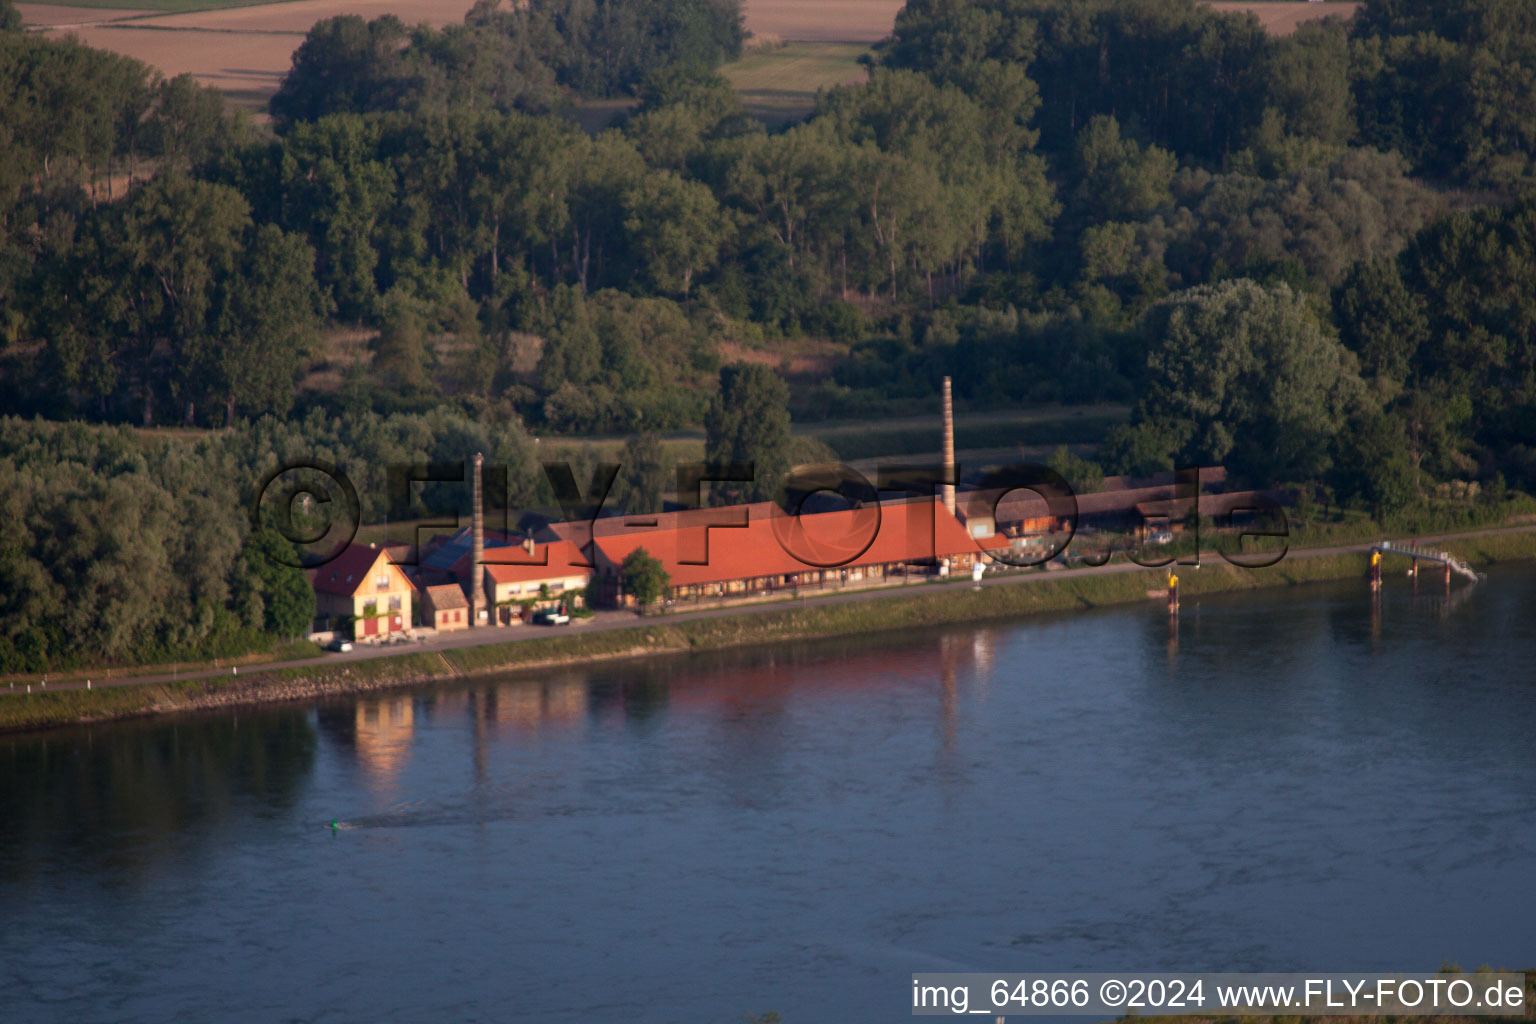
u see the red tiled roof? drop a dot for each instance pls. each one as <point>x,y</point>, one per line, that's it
<point>581,531</point>
<point>548,561</point>
<point>348,571</point>
<point>907,532</point>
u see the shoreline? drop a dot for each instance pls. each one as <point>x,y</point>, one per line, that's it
<point>1005,599</point>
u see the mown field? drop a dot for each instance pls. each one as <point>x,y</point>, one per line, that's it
<point>780,84</point>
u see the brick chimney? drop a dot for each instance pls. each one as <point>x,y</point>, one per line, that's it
<point>477,549</point>
<point>949,449</point>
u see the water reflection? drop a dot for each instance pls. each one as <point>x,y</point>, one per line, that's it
<point>382,735</point>
<point>113,798</point>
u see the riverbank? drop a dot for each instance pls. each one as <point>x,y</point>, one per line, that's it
<point>1002,599</point>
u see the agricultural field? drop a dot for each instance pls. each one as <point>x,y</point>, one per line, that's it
<point>40,15</point>
<point>1281,18</point>
<point>244,48</point>
<point>823,21</point>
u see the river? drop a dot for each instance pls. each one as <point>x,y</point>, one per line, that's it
<point>1282,780</point>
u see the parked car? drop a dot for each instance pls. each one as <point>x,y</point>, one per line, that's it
<point>339,645</point>
<point>547,617</point>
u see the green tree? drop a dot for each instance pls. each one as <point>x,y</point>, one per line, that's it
<point>1373,469</point>
<point>1242,375</point>
<point>646,474</point>
<point>1309,83</point>
<point>749,422</point>
<point>270,321</point>
<point>1450,86</point>
<point>682,106</point>
<point>1382,322</point>
<point>402,352</point>
<point>331,184</point>
<point>189,124</point>
<point>344,65</point>
<point>154,275</point>
<point>676,227</point>
<point>644,577</point>
<point>1084,476</point>
<point>287,599</point>
<point>1120,180</point>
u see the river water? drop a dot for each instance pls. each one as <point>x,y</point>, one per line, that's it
<point>1283,780</point>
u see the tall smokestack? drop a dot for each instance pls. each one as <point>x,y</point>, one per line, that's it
<point>949,449</point>
<point>477,549</point>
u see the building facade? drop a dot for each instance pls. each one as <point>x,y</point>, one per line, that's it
<point>767,551</point>
<point>444,607</point>
<point>363,593</point>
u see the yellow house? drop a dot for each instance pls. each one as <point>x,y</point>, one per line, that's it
<point>364,585</point>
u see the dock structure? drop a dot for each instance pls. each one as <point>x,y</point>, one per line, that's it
<point>1418,554</point>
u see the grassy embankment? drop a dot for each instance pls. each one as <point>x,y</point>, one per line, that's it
<point>284,650</point>
<point>660,636</point>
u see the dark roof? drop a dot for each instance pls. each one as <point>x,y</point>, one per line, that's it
<point>1212,504</point>
<point>457,547</point>
<point>1114,498</point>
<point>448,595</point>
<point>348,571</point>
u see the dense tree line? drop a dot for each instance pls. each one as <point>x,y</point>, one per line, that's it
<point>121,547</point>
<point>441,201</point>
<point>503,57</point>
<point>117,550</point>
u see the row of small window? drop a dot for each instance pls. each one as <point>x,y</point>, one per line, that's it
<point>533,588</point>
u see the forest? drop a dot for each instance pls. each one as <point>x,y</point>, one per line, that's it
<point>1311,258</point>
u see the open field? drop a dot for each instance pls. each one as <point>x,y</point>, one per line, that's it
<point>57,14</point>
<point>246,67</point>
<point>301,15</point>
<point>106,10</point>
<point>780,84</point>
<point>1281,18</point>
<point>823,21</point>
<point>244,48</point>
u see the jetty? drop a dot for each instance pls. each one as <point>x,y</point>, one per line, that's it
<point>1418,554</point>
